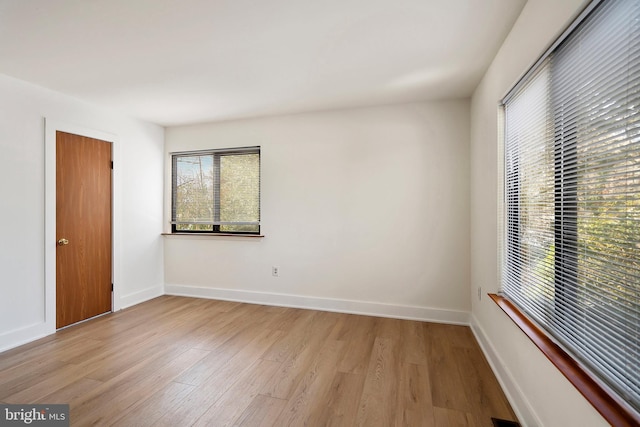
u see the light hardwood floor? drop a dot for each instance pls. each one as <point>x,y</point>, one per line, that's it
<point>177,361</point>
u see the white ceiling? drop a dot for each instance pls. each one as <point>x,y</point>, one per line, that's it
<point>175,62</point>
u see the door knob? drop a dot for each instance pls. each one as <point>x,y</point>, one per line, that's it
<point>63,242</point>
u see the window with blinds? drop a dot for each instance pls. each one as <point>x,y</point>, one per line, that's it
<point>572,194</point>
<point>216,191</point>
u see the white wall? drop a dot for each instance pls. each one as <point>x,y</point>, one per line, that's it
<point>539,393</point>
<point>363,210</point>
<point>137,200</point>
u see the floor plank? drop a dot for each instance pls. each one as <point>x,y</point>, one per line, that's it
<point>310,394</point>
<point>147,412</point>
<point>237,399</point>
<point>414,406</point>
<point>115,396</point>
<point>340,406</point>
<point>262,412</point>
<point>379,396</point>
<point>239,368</point>
<point>197,362</point>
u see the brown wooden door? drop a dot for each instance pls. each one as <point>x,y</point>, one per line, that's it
<point>83,228</point>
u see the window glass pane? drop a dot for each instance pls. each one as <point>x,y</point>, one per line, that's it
<point>240,192</point>
<point>194,192</point>
<point>572,193</point>
<point>596,73</point>
<point>530,194</point>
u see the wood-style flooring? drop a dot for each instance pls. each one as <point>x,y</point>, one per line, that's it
<point>176,361</point>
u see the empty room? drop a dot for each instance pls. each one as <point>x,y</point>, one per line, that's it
<point>320,213</point>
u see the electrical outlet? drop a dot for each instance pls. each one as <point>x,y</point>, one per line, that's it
<point>275,271</point>
<point>480,293</point>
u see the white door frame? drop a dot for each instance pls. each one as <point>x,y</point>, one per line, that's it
<point>50,243</point>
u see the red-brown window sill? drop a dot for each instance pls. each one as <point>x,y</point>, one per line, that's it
<point>611,407</point>
<point>213,235</point>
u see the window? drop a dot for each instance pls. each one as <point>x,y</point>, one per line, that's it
<point>572,195</point>
<point>216,191</point>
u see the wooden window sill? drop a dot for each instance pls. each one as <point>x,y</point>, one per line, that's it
<point>213,235</point>
<point>610,406</point>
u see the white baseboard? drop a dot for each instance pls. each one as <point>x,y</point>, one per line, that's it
<point>141,296</point>
<point>519,402</point>
<point>18,337</point>
<point>324,304</point>
<point>15,338</point>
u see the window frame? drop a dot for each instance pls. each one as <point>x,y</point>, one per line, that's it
<point>217,154</point>
<point>604,399</point>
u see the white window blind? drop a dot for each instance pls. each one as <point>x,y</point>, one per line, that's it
<point>216,191</point>
<point>572,195</point>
